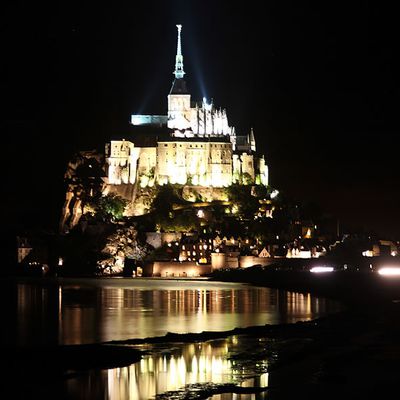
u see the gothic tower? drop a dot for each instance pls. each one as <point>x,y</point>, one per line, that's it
<point>252,141</point>
<point>179,99</point>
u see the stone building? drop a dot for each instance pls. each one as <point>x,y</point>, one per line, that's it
<point>194,146</point>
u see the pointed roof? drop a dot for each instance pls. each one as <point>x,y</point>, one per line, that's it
<point>252,140</point>
<point>178,87</point>
<point>179,84</point>
<point>264,253</point>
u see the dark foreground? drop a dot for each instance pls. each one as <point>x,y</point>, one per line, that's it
<point>354,354</point>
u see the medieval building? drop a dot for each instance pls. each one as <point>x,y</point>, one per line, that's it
<point>194,146</point>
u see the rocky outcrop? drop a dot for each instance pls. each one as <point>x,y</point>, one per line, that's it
<point>84,178</point>
<point>121,245</point>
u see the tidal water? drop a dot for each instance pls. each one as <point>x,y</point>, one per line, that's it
<point>79,311</point>
<point>179,372</point>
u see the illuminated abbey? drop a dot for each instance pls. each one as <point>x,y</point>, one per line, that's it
<point>197,146</point>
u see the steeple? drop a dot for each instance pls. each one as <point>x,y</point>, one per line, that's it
<point>252,140</point>
<point>179,72</point>
<point>179,84</point>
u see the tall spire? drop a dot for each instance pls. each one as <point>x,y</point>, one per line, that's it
<point>252,140</point>
<point>179,58</point>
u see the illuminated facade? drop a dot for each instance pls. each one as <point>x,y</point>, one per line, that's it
<point>197,146</point>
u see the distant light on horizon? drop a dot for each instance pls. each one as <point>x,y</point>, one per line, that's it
<point>368,253</point>
<point>389,271</point>
<point>319,270</point>
<point>274,194</point>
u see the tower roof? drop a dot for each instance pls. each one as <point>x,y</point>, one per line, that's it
<point>178,87</point>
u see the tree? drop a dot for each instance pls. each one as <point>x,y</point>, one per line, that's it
<point>110,207</point>
<point>165,197</point>
<point>120,246</point>
<point>240,196</point>
<point>163,209</point>
<point>182,222</point>
<point>261,191</point>
<point>247,179</point>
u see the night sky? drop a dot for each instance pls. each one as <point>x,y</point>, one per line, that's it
<point>318,82</point>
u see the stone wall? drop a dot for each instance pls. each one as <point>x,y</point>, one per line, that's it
<point>249,261</point>
<point>169,269</point>
<point>226,260</point>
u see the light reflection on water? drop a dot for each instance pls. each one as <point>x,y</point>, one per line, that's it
<point>72,311</point>
<point>75,311</point>
<point>170,370</point>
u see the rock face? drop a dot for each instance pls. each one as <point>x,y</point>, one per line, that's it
<point>204,193</point>
<point>121,245</point>
<point>141,198</point>
<point>84,178</point>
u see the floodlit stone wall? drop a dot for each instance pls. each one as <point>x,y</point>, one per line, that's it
<point>171,269</point>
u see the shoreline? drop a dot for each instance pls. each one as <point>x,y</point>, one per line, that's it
<point>325,357</point>
<point>357,354</point>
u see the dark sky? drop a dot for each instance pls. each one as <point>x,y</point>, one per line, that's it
<point>318,82</point>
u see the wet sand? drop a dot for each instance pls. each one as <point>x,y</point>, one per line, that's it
<point>353,354</point>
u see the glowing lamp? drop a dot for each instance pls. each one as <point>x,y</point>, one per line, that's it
<point>200,214</point>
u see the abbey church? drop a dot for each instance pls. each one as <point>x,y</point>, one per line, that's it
<point>195,145</point>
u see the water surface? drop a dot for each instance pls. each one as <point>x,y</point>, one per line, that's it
<point>180,370</point>
<point>76,311</point>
